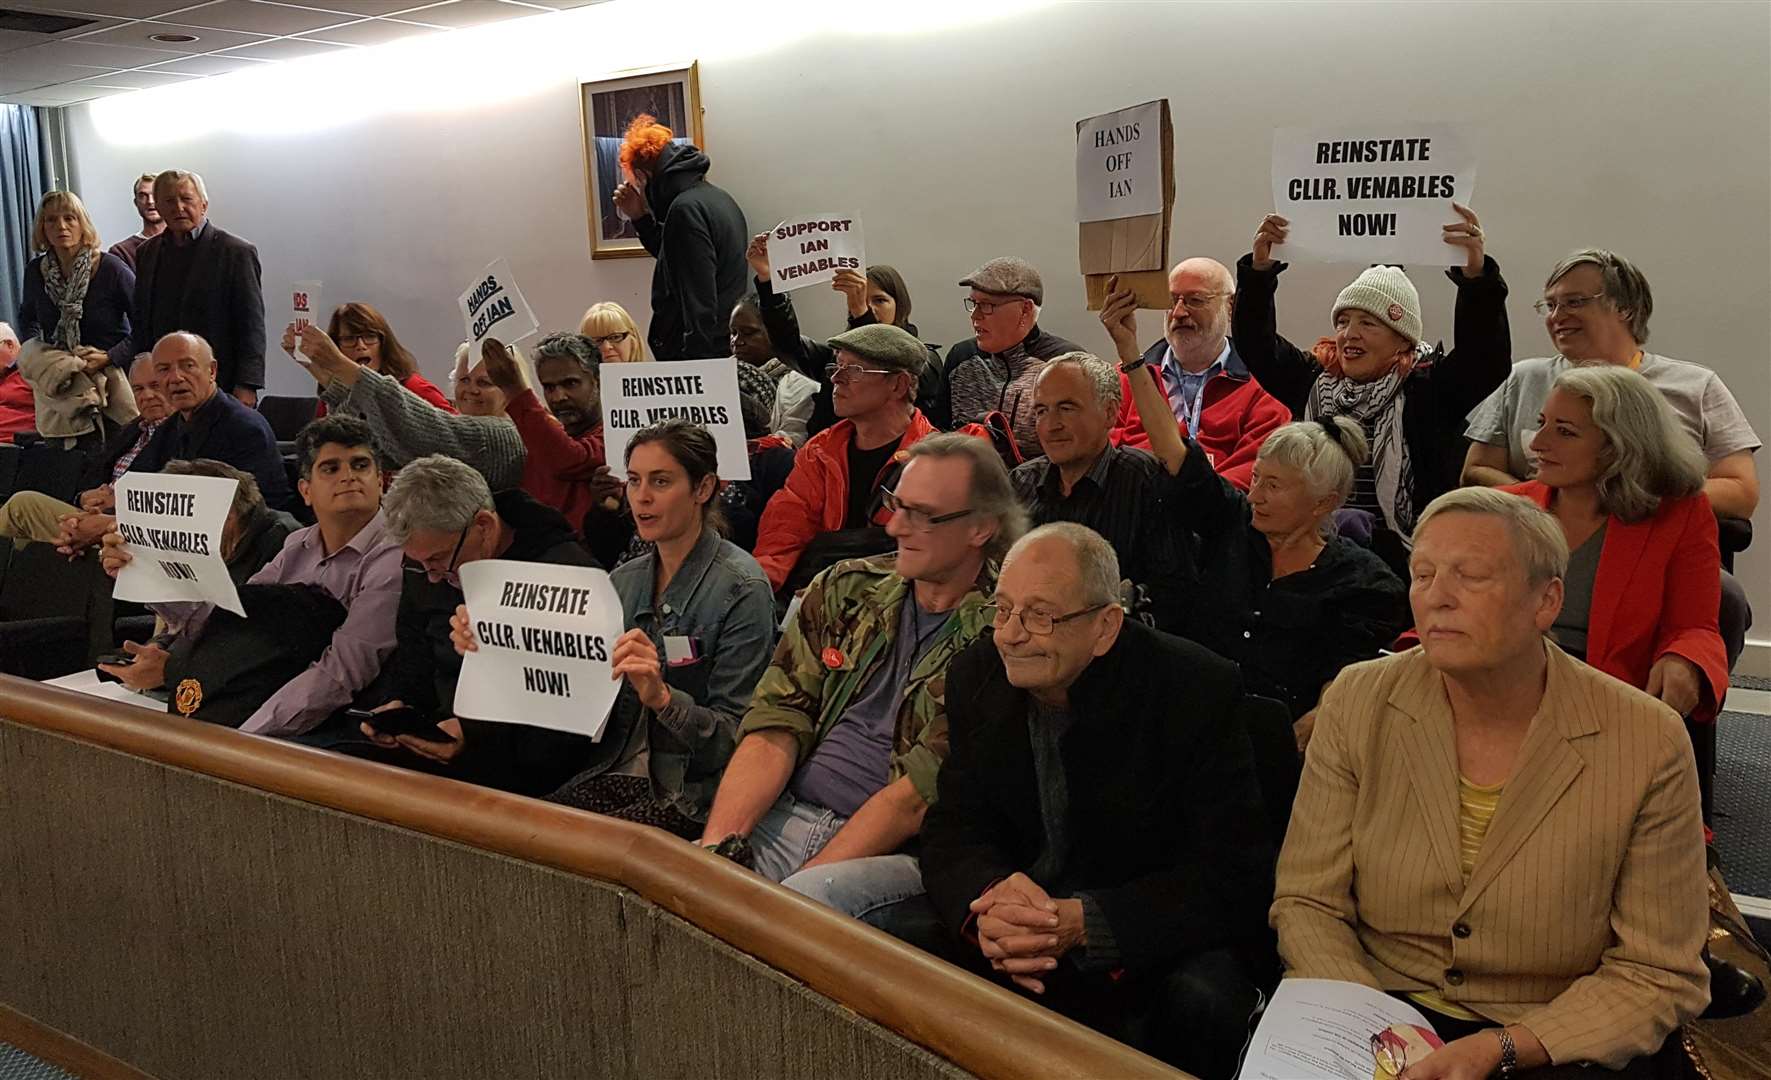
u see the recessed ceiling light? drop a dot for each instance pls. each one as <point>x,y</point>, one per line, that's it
<point>173,39</point>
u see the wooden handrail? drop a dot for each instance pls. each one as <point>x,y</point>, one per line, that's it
<point>982,1028</point>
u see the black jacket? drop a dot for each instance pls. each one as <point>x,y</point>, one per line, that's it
<point>224,430</point>
<point>1440,391</point>
<point>223,303</point>
<point>104,320</point>
<point>1166,826</point>
<point>811,356</point>
<point>696,232</point>
<point>1290,635</point>
<point>511,757</point>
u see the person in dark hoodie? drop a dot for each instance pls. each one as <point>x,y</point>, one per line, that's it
<point>695,231</point>
<point>444,515</point>
<point>879,297</point>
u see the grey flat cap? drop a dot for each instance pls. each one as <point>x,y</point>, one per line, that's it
<point>1007,276</point>
<point>888,346</point>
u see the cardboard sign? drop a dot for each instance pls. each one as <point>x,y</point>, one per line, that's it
<point>808,251</point>
<point>704,392</point>
<point>173,527</point>
<point>303,302</point>
<point>493,306</point>
<point>1119,164</point>
<point>1381,193</point>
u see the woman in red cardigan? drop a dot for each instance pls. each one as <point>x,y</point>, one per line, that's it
<point>1626,484</point>
<point>363,334</point>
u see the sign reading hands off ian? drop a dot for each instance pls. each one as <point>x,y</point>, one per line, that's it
<point>546,637</point>
<point>1119,164</point>
<point>1380,193</point>
<point>173,527</point>
<point>493,306</point>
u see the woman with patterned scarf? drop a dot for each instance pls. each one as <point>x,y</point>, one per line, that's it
<point>1409,398</point>
<point>76,296</point>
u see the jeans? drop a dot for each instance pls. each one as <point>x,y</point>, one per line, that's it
<point>790,834</point>
<point>864,888</point>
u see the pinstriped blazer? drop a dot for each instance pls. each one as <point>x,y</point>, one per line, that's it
<point>1587,907</point>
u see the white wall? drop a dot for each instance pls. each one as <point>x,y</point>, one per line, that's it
<point>1633,126</point>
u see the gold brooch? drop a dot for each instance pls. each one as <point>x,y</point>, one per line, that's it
<point>189,697</point>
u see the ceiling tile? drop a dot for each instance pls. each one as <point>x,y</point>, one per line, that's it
<point>284,49</point>
<point>113,57</point>
<point>564,5</point>
<point>140,35</point>
<point>368,7</point>
<point>139,80</point>
<point>43,63</point>
<point>259,18</point>
<point>120,9</point>
<point>208,65</point>
<point>16,39</point>
<point>459,14</point>
<point>370,32</point>
<point>74,93</point>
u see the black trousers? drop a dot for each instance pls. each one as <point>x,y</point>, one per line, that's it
<point>1667,1063</point>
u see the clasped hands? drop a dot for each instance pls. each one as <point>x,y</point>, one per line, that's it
<point>1023,932</point>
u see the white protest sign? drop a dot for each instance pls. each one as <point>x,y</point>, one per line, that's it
<point>173,525</point>
<point>704,392</point>
<point>1119,164</point>
<point>546,634</point>
<point>493,306</point>
<point>1380,193</point>
<point>809,250</point>
<point>304,300</point>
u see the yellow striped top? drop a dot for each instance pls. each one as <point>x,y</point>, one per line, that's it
<point>1475,809</point>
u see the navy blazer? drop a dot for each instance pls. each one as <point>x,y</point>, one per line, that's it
<point>226,431</point>
<point>223,303</point>
<point>105,321</point>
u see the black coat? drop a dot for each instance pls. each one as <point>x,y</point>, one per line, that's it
<point>227,431</point>
<point>223,303</point>
<point>696,232</point>
<point>1166,826</point>
<point>104,320</point>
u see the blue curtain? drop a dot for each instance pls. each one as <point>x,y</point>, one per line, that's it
<point>24,176</point>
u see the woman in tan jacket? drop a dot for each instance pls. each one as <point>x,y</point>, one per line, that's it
<point>1497,832</point>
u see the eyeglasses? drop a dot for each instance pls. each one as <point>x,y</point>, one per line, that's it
<point>916,517</point>
<point>1549,306</point>
<point>1037,623</point>
<point>989,307</point>
<point>847,373</point>
<point>1195,301</point>
<point>611,339</point>
<point>349,341</point>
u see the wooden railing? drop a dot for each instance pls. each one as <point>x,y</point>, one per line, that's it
<point>980,1027</point>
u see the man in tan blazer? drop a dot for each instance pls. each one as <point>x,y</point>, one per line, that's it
<point>1495,830</point>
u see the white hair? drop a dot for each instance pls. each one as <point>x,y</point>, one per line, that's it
<point>7,333</point>
<point>434,494</point>
<point>1102,376</point>
<point>1097,564</point>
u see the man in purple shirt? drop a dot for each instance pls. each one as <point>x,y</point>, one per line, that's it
<point>347,553</point>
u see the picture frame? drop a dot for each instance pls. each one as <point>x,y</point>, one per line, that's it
<point>605,107</point>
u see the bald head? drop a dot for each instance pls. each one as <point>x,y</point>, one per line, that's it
<point>1199,293</point>
<point>184,364</point>
<point>8,345</point>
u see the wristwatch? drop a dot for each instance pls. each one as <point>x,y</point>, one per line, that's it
<point>1509,1054</point>
<point>1127,369</point>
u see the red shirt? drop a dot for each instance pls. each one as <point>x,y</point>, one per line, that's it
<point>18,409</point>
<point>559,466</point>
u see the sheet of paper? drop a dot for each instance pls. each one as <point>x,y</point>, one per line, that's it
<point>704,392</point>
<point>493,306</point>
<point>810,250</point>
<point>304,303</point>
<point>1322,1029</point>
<point>1119,164</point>
<point>1378,193</point>
<point>173,527</point>
<point>88,682</point>
<point>546,636</point>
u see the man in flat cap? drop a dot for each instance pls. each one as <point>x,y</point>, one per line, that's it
<point>837,476</point>
<point>997,369</point>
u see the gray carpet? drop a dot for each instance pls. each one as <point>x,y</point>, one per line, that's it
<point>15,1064</point>
<point>1743,802</point>
<point>1749,682</point>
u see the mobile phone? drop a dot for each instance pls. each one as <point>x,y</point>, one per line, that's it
<point>115,660</point>
<point>404,720</point>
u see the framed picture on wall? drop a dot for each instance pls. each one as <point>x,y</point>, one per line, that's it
<point>606,107</point>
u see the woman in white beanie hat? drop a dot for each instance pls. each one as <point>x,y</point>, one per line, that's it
<point>1409,399</point>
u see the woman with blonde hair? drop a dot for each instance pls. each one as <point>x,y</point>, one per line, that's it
<point>76,296</point>
<point>612,330</point>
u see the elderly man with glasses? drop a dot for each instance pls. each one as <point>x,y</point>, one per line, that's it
<point>1218,404</point>
<point>838,752</point>
<point>1095,841</point>
<point>839,474</point>
<point>996,370</point>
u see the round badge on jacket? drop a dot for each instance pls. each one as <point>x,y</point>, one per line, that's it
<point>832,657</point>
<point>1396,313</point>
<point>189,697</point>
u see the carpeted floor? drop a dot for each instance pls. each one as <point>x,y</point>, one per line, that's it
<point>1743,802</point>
<point>15,1064</point>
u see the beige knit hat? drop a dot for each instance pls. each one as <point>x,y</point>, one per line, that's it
<point>1386,293</point>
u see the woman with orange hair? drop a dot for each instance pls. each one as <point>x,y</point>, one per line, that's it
<point>695,231</point>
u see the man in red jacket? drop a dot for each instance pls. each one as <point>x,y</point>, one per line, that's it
<point>837,475</point>
<point>1206,383</point>
<point>564,466</point>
